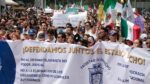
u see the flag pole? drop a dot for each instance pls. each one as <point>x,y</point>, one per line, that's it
<point>81,2</point>
<point>55,4</point>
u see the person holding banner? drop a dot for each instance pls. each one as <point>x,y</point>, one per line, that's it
<point>61,37</point>
<point>32,34</point>
<point>70,39</point>
<point>138,43</point>
<point>113,36</point>
<point>51,36</point>
<point>91,41</point>
<point>148,43</point>
<point>41,37</point>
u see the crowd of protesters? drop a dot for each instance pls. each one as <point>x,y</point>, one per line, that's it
<point>28,25</point>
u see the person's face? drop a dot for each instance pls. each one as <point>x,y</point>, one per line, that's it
<point>113,38</point>
<point>129,43</point>
<point>17,31</point>
<point>50,36</point>
<point>87,25</point>
<point>102,33</point>
<point>68,31</point>
<point>70,39</point>
<point>44,27</point>
<point>136,43</point>
<point>32,22</point>
<point>25,37</point>
<point>85,37</point>
<point>60,38</point>
<point>42,39</point>
<point>148,43</point>
<point>90,41</point>
<point>31,37</point>
<point>15,37</point>
<point>94,29</point>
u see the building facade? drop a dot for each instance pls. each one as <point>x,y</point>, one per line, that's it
<point>142,4</point>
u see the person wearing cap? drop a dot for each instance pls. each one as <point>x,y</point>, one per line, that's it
<point>32,34</point>
<point>41,37</point>
<point>61,38</point>
<point>143,37</point>
<point>113,36</point>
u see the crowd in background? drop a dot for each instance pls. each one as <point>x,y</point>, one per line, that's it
<point>28,25</point>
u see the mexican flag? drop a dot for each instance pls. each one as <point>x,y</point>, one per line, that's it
<point>129,30</point>
<point>109,9</point>
<point>128,11</point>
<point>109,4</point>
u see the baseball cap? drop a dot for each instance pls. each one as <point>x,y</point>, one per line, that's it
<point>32,32</point>
<point>143,36</point>
<point>112,33</point>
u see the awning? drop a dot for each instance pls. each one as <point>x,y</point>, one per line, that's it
<point>11,2</point>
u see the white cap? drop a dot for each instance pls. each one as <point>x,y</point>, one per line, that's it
<point>143,36</point>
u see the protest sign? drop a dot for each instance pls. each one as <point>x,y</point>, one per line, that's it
<point>60,20</point>
<point>73,10</point>
<point>75,19</point>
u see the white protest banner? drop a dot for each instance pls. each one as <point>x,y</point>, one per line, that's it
<point>32,62</point>
<point>48,10</point>
<point>56,12</point>
<point>60,20</point>
<point>76,18</point>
